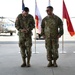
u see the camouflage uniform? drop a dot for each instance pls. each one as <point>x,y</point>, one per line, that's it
<point>25,41</point>
<point>52,27</point>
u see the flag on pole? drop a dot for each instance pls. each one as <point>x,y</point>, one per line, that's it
<point>38,19</point>
<point>23,6</point>
<point>68,21</point>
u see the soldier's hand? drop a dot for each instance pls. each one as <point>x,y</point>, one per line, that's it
<point>59,36</point>
<point>23,30</point>
<point>44,36</point>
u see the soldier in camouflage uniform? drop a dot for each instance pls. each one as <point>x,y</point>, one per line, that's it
<point>52,29</point>
<point>24,24</point>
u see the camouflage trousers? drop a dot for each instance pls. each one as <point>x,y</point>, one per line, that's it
<point>52,48</point>
<point>25,44</point>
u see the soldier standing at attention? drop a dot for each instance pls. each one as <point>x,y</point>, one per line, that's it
<point>25,24</point>
<point>52,29</point>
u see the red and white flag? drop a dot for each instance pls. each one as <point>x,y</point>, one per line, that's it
<point>68,21</point>
<point>38,19</point>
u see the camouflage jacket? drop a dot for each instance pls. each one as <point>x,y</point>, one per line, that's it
<point>25,22</point>
<point>52,26</point>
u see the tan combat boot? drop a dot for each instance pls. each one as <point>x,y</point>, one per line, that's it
<point>28,62</point>
<point>55,64</point>
<point>50,64</point>
<point>24,62</point>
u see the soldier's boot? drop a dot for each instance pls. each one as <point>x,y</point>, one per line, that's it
<point>55,64</point>
<point>28,62</point>
<point>50,64</point>
<point>24,62</point>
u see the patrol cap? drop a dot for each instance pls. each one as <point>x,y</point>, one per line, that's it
<point>26,9</point>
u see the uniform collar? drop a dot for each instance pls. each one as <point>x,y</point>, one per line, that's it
<point>51,15</point>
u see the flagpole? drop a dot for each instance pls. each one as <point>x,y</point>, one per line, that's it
<point>35,35</point>
<point>35,41</point>
<point>63,51</point>
<point>63,34</point>
<point>35,52</point>
<point>49,3</point>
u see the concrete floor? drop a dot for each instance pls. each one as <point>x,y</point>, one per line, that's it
<point>10,60</point>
